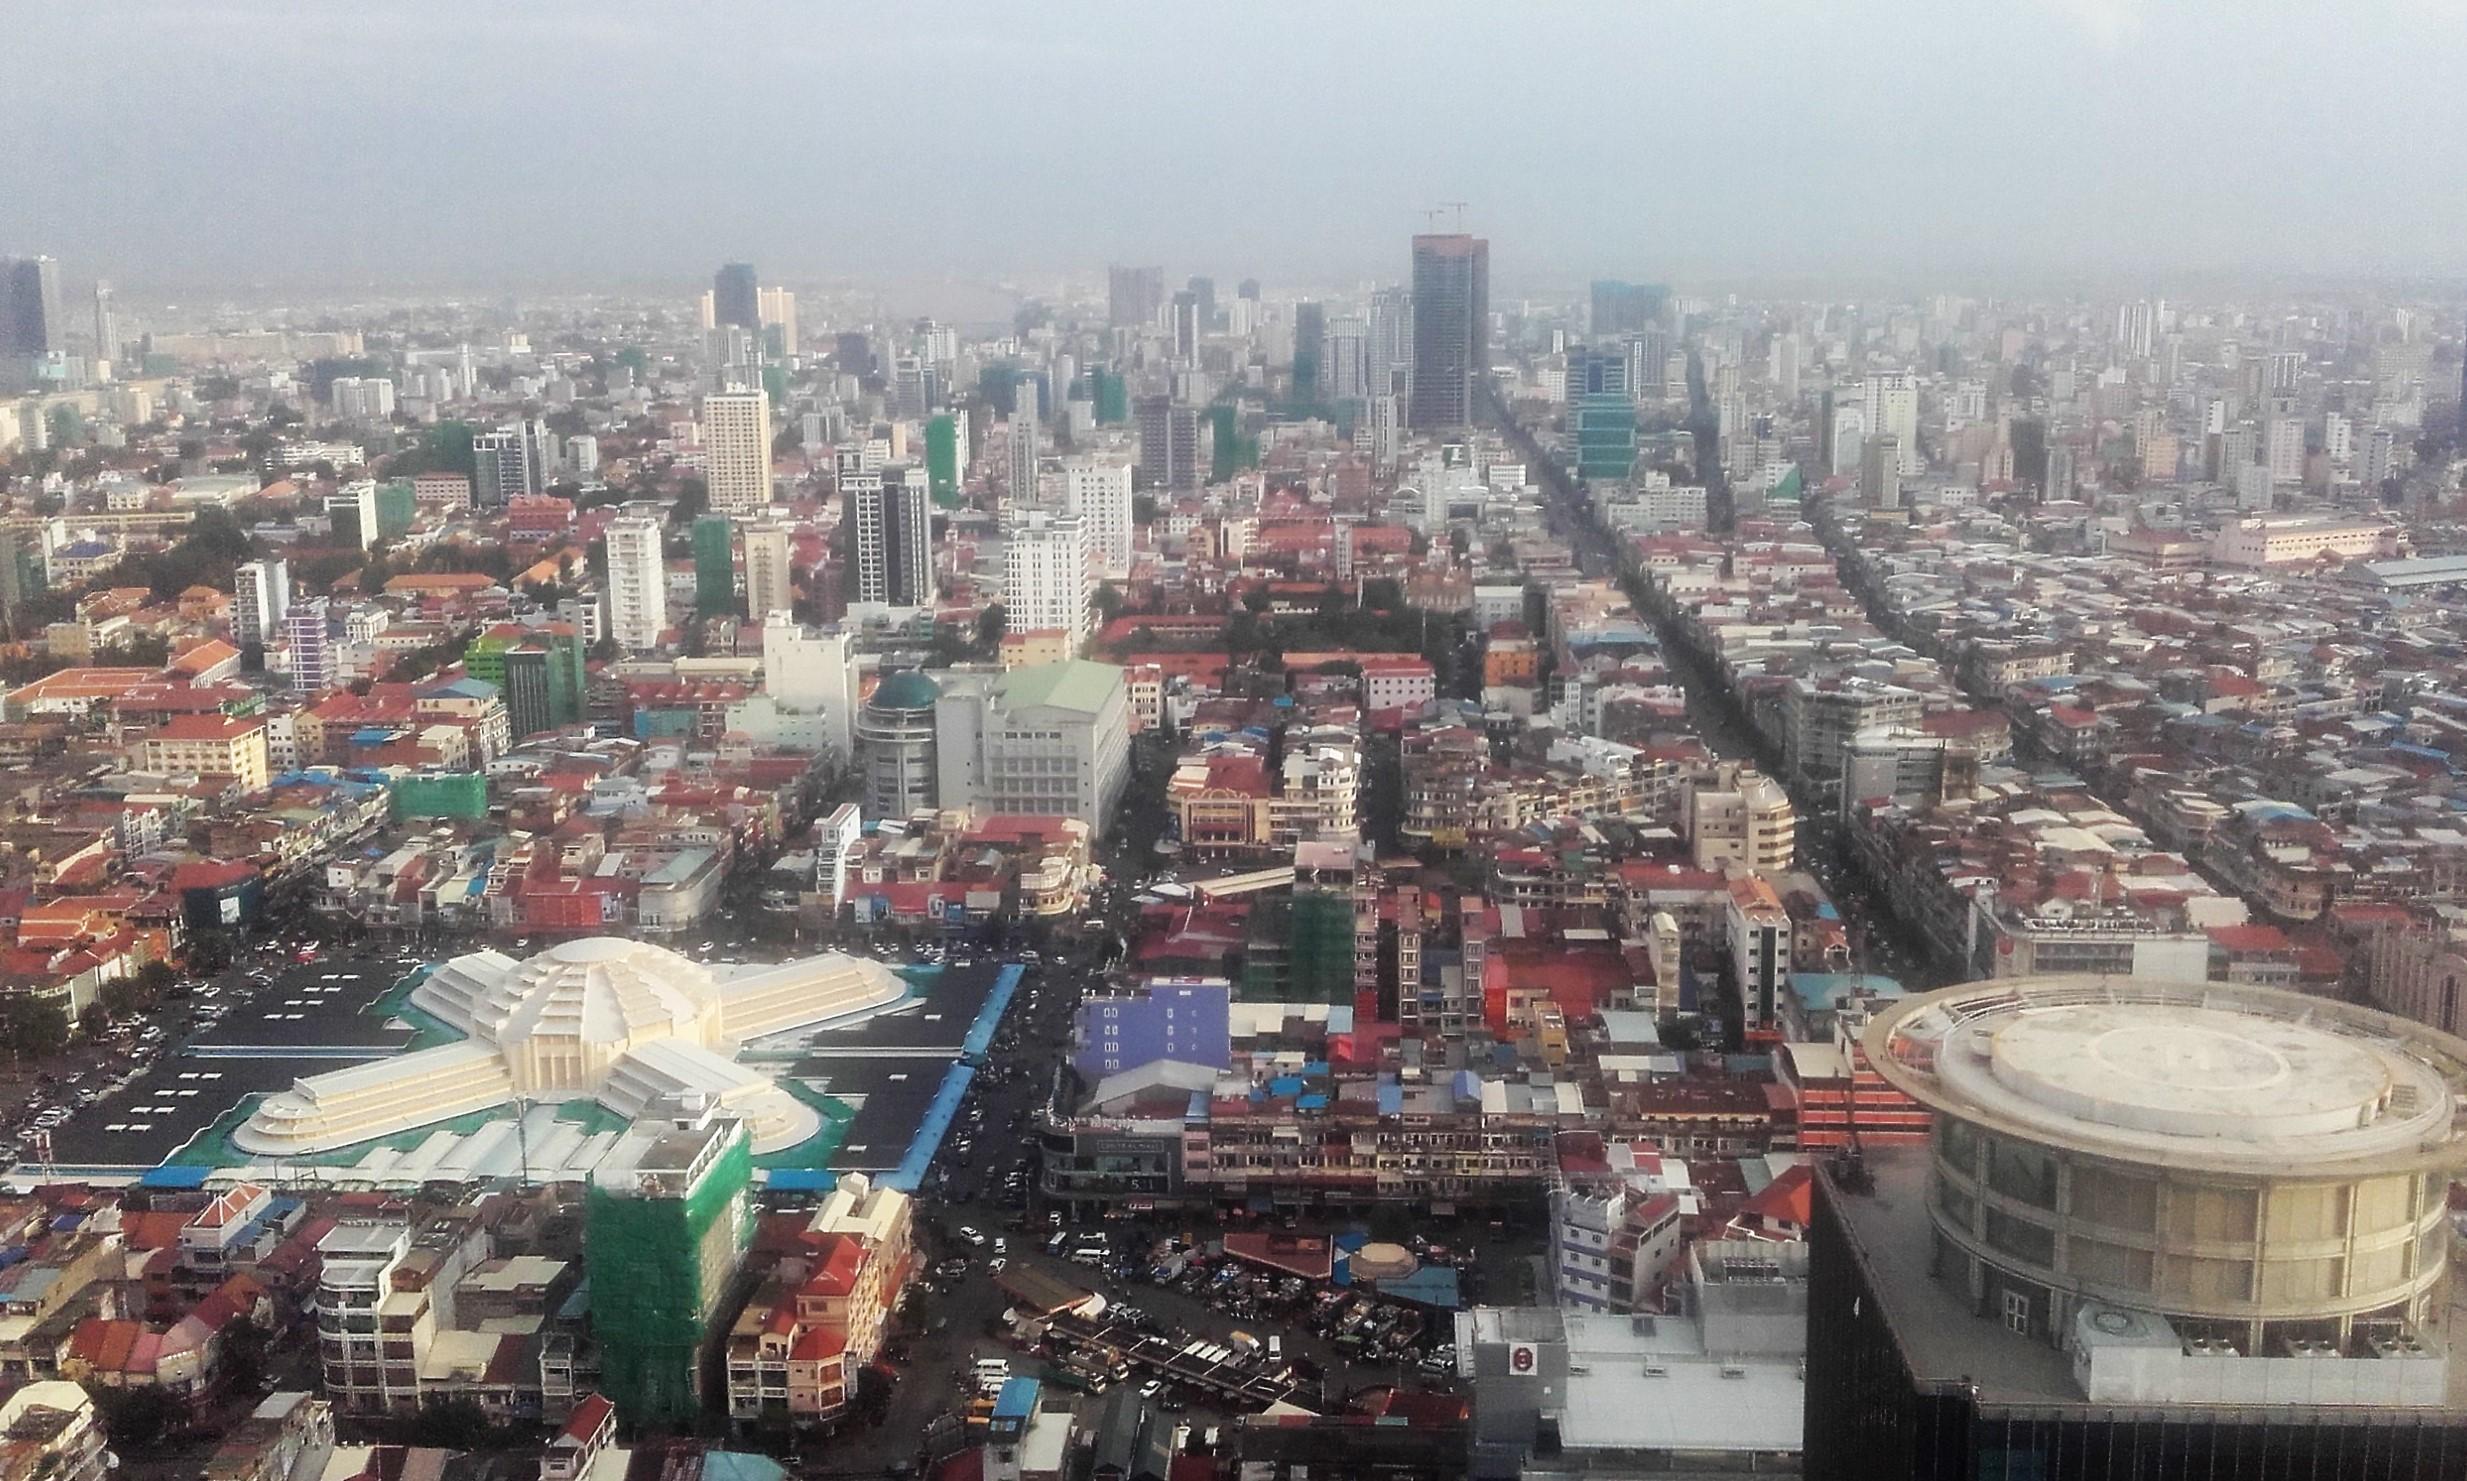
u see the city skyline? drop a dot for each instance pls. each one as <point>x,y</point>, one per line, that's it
<point>2009,146</point>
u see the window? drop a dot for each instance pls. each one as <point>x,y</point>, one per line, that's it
<point>2019,1170</point>
<point>2020,1238</point>
<point>2017,1311</point>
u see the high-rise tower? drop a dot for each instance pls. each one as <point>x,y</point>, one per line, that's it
<point>30,323</point>
<point>736,434</point>
<point>889,517</point>
<point>736,298</point>
<point>261,596</point>
<point>1451,328</point>
<point>768,588</point>
<point>1133,295</point>
<point>637,583</point>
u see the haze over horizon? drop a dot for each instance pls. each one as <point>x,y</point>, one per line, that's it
<point>210,146</point>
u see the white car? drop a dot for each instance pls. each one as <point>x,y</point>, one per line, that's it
<point>972,1235</point>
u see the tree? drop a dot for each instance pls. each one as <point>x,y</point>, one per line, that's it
<point>446,449</point>
<point>1143,509</point>
<point>246,1357</point>
<point>32,1027</point>
<point>1107,601</point>
<point>453,1424</point>
<point>990,625</point>
<point>693,498</point>
<point>137,1419</point>
<point>209,952</point>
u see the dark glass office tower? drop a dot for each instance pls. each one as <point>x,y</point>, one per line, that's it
<point>1451,328</point>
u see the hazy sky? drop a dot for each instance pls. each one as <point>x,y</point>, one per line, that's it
<point>187,143</point>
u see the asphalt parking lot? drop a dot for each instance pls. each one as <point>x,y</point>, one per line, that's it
<point>892,1066</point>
<point>309,1017</point>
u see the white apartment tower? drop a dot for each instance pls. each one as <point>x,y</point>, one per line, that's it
<point>1893,411</point>
<point>2286,441</point>
<point>1045,576</point>
<point>637,583</point>
<point>1098,490</point>
<point>1027,437</point>
<point>767,585</point>
<point>260,597</point>
<point>809,672</point>
<point>2136,329</point>
<point>736,437</point>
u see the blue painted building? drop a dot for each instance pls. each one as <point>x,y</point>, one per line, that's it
<point>1183,1019</point>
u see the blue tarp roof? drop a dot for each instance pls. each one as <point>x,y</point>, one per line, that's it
<point>910,1174</point>
<point>1017,1400</point>
<point>989,1018</point>
<point>736,1465</point>
<point>175,1177</point>
<point>1821,990</point>
<point>1432,1285</point>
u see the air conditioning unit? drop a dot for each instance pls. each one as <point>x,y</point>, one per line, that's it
<point>1656,1370</point>
<point>2399,1345</point>
<point>2309,1347</point>
<point>1733,1370</point>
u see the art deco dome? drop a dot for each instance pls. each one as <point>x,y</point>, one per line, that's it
<point>623,1022</point>
<point>604,990</point>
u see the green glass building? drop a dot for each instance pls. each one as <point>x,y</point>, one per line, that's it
<point>715,565</point>
<point>538,671</point>
<point>1112,397</point>
<point>942,470</point>
<point>1601,414</point>
<point>544,684</point>
<point>397,510</point>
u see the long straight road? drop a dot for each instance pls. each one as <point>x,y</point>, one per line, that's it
<point>1879,940</point>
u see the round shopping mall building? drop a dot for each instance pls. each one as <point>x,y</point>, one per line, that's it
<point>2266,1170</point>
